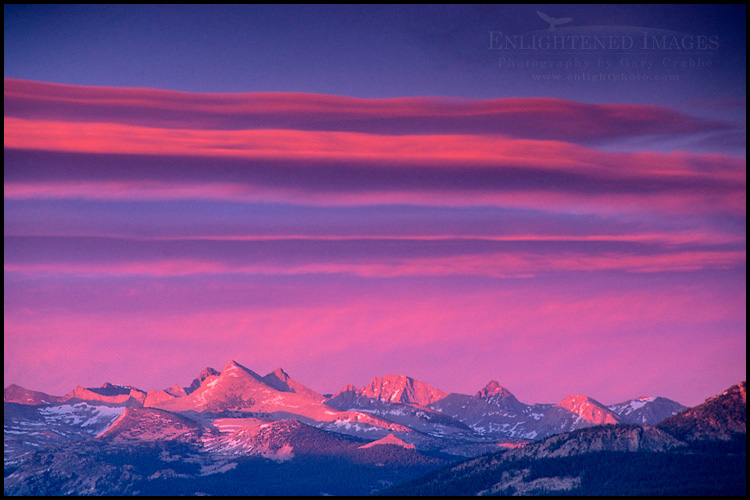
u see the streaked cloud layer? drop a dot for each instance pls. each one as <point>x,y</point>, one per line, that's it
<point>527,118</point>
<point>534,240</point>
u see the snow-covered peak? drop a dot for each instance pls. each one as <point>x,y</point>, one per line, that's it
<point>646,410</point>
<point>633,404</point>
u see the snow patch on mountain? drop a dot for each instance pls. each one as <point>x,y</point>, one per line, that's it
<point>81,414</point>
<point>151,424</point>
<point>646,410</point>
<point>389,439</point>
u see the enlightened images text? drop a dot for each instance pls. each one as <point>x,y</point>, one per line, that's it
<point>499,41</point>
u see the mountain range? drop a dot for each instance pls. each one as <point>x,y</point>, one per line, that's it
<point>699,451</point>
<point>393,429</point>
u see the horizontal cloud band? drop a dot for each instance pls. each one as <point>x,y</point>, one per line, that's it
<point>671,181</point>
<point>532,118</point>
<point>373,257</point>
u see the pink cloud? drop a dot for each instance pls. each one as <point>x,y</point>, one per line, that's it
<point>269,161</point>
<point>526,263</point>
<point>729,201</point>
<point>320,167</point>
<point>544,118</point>
<point>397,150</point>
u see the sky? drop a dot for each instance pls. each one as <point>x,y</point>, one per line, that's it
<point>453,193</point>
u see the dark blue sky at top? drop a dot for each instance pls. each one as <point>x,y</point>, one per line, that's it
<point>365,51</point>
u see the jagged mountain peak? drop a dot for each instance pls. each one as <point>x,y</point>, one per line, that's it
<point>110,389</point>
<point>493,388</point>
<point>235,387</point>
<point>736,394</point>
<point>347,393</point>
<point>110,385</point>
<point>497,395</point>
<point>204,374</point>
<point>401,389</point>
<point>740,389</point>
<point>208,371</point>
<point>279,379</point>
<point>238,388</point>
<point>347,388</point>
<point>109,393</point>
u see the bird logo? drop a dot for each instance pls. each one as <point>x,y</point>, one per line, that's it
<point>552,21</point>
